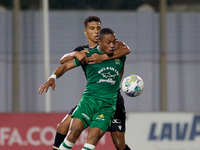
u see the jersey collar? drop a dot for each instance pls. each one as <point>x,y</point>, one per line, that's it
<point>93,47</point>
<point>98,47</point>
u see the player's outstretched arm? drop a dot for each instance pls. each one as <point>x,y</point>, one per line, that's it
<point>67,57</point>
<point>121,50</point>
<point>80,55</point>
<point>56,74</point>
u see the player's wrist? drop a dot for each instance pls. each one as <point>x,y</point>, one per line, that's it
<point>53,76</point>
<point>106,57</point>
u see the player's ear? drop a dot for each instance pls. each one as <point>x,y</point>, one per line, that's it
<point>99,42</point>
<point>85,31</point>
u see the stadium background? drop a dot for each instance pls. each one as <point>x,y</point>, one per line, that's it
<point>135,23</point>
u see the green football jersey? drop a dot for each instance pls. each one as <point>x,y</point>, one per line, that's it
<point>103,79</point>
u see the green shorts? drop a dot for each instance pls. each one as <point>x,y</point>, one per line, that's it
<point>94,113</point>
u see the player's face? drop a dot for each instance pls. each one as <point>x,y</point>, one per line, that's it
<point>107,44</point>
<point>92,31</point>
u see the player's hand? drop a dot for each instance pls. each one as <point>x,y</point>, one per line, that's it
<point>81,56</point>
<point>96,58</point>
<point>46,85</point>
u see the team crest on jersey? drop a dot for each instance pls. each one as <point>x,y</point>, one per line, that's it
<point>117,61</point>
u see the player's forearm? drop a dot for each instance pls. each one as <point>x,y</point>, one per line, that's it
<point>60,71</point>
<point>67,57</point>
<point>119,52</point>
<point>63,68</point>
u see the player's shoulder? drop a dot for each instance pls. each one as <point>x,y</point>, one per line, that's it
<point>80,48</point>
<point>92,51</point>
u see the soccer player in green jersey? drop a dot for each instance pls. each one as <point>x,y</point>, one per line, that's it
<point>97,106</point>
<point>117,130</point>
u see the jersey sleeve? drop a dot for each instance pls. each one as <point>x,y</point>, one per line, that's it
<point>123,59</point>
<point>80,48</point>
<point>76,62</point>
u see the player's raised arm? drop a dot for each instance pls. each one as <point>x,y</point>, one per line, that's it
<point>56,74</point>
<point>121,50</point>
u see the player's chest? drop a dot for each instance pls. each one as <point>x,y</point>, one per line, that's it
<point>108,69</point>
<point>112,64</point>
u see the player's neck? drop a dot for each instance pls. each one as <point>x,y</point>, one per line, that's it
<point>92,45</point>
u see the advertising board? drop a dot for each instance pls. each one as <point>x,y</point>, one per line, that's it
<point>163,131</point>
<point>37,131</point>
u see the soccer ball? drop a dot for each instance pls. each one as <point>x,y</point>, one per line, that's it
<point>132,85</point>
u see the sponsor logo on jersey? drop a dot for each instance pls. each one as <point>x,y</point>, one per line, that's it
<point>108,68</point>
<point>101,117</point>
<point>116,121</point>
<point>110,80</point>
<point>108,75</point>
